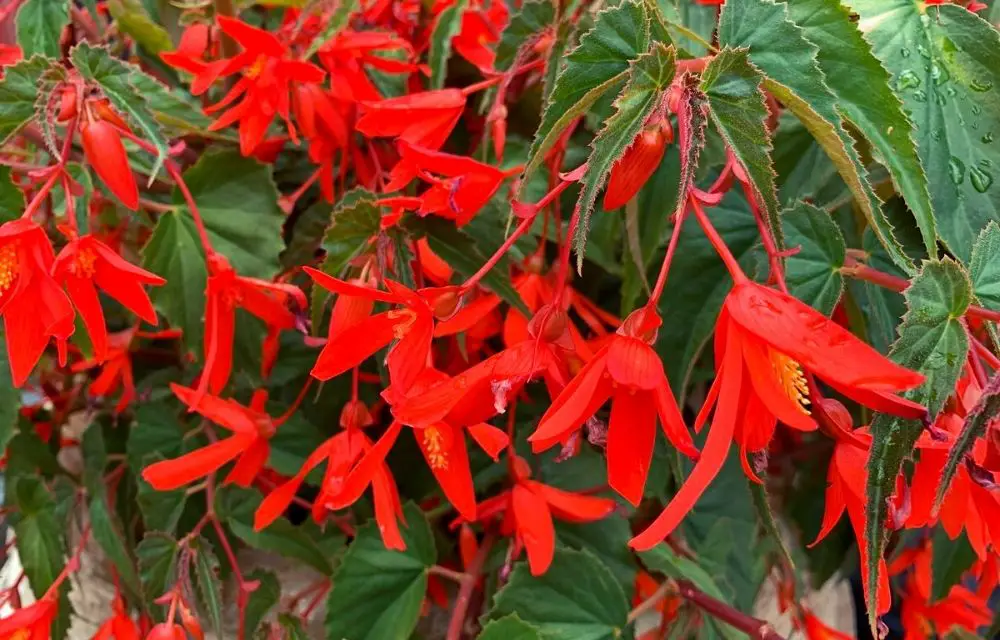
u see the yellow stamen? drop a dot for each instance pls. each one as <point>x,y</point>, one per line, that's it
<point>21,634</point>
<point>256,67</point>
<point>406,319</point>
<point>792,380</point>
<point>437,455</point>
<point>8,267</point>
<point>84,264</point>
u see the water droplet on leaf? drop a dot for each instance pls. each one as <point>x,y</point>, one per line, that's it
<point>981,180</point>
<point>956,170</point>
<point>920,95</point>
<point>904,52</point>
<point>908,80</point>
<point>987,138</point>
<point>981,86</point>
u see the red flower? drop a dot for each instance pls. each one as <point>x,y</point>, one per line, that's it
<point>423,119</point>
<point>348,54</point>
<point>225,292</point>
<point>815,629</point>
<point>105,152</point>
<point>352,463</point>
<point>33,306</point>
<point>9,54</point>
<point>763,341</point>
<point>119,626</point>
<point>638,164</point>
<point>269,72</point>
<point>116,370</point>
<point>85,265</point>
<point>528,509</point>
<point>629,372</point>
<point>412,326</point>
<point>251,427</point>
<point>33,622</point>
<point>464,188</point>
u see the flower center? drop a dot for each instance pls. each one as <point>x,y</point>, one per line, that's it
<point>792,380</point>
<point>437,455</point>
<point>406,319</point>
<point>84,264</point>
<point>8,267</point>
<point>256,68</point>
<point>21,634</point>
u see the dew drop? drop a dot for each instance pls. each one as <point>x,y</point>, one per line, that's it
<point>981,180</point>
<point>939,74</point>
<point>908,80</point>
<point>922,50</point>
<point>904,52</point>
<point>956,170</point>
<point>976,110</point>
<point>987,138</point>
<point>940,99</point>
<point>920,95</point>
<point>937,135</point>
<point>981,86</point>
<point>951,91</point>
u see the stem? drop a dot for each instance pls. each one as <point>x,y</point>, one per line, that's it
<point>192,206</point>
<point>57,171</point>
<point>650,603</point>
<point>661,280</point>
<point>564,251</point>
<point>497,255</point>
<point>985,353</point>
<point>445,572</point>
<point>756,629</point>
<point>717,242</point>
<point>767,238</point>
<point>469,581</point>
<point>489,82</point>
<point>225,8</point>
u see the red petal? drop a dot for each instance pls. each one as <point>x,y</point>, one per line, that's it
<point>174,474</point>
<point>224,412</point>
<point>713,456</point>
<point>220,330</point>
<point>882,401</point>
<point>634,168</point>
<point>631,436</point>
<point>370,464</point>
<point>123,281</point>
<point>250,464</point>
<point>444,449</point>
<point>409,356</point>
<point>468,316</point>
<point>336,285</point>
<point>633,363</point>
<point>489,438</point>
<point>355,345</point>
<point>276,502</point>
<point>578,401</point>
<point>81,291</point>
<point>671,420</point>
<point>103,148</point>
<point>387,509</point>
<point>251,38</point>
<point>534,527</point>
<point>767,388</point>
<point>572,507</point>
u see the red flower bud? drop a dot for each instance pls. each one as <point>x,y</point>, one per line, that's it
<point>67,104</point>
<point>165,631</point>
<point>103,148</point>
<point>636,166</point>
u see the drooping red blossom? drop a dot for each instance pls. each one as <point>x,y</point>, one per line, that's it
<point>33,305</point>
<point>630,373</point>
<point>480,29</point>
<point>33,622</point>
<point>167,631</point>
<point>9,54</point>
<point>528,509</point>
<point>352,464</point>
<point>268,72</point>
<point>116,370</point>
<point>638,164</point>
<point>412,326</point>
<point>816,629</point>
<point>764,339</point>
<point>252,428</point>
<point>423,119</point>
<point>85,265</point>
<point>347,56</point>
<point>120,626</point>
<point>225,292</point>
<point>105,152</point>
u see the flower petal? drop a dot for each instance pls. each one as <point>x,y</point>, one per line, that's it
<point>277,501</point>
<point>174,474</point>
<point>387,509</point>
<point>336,285</point>
<point>367,468</point>
<point>224,412</point>
<point>84,296</point>
<point>882,401</point>
<point>766,387</point>
<point>631,436</point>
<point>572,507</point>
<point>250,464</point>
<point>671,420</point>
<point>354,345</point>
<point>584,395</point>
<point>489,438</point>
<point>534,527</point>
<point>444,449</point>
<point>633,363</point>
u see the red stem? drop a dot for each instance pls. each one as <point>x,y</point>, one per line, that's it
<point>57,171</point>
<point>661,280</point>
<point>767,238</point>
<point>717,242</point>
<point>497,255</point>
<point>461,609</point>
<point>756,629</point>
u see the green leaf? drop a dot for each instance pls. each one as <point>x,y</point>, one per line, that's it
<point>951,559</point>
<point>207,583</point>
<point>813,273</point>
<point>608,540</point>
<point>40,24</point>
<point>779,49</point>
<point>648,76</point>
<point>974,428</point>
<point>933,341</point>
<point>534,17</point>
<point>333,24</point>
<point>174,253</point>
<point>597,65</point>
<point>578,598</point>
<point>18,91</point>
<point>115,80</point>
<point>446,26</point>
<point>354,221</point>
<point>157,553</point>
<point>865,98</point>
<point>238,201</point>
<point>133,20</point>
<point>984,268</point>
<point>377,592</point>
<point>509,627</point>
<point>736,106</point>
<point>307,235</point>
<point>161,510</point>
<point>945,62</point>
<point>107,530</point>
<point>262,600</point>
<point>284,538</point>
<point>172,107</point>
<point>10,400</point>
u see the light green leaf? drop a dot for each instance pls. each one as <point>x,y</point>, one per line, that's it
<point>865,98</point>
<point>133,20</point>
<point>509,628</point>
<point>598,65</point>
<point>115,80</point>
<point>172,107</point>
<point>813,272</point>
<point>446,26</point>
<point>933,341</point>
<point>788,61</point>
<point>648,76</point>
<point>40,24</point>
<point>534,17</point>
<point>18,91</point>
<point>736,106</point>
<point>377,592</point>
<point>578,598</point>
<point>107,530</point>
<point>984,268</point>
<point>945,62</point>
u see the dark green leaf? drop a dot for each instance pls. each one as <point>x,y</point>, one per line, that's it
<point>115,79</point>
<point>525,26</point>
<point>263,599</point>
<point>10,400</point>
<point>951,559</point>
<point>597,65</point>
<point>161,510</point>
<point>813,273</point>
<point>284,538</point>
<point>974,428</point>
<point>578,597</point>
<point>171,106</point>
<point>933,341</point>
<point>509,628</point>
<point>157,434</point>
<point>133,20</point>
<point>377,592</point>
<point>648,76</point>
<point>446,26</point>
<point>107,531</point>
<point>984,268</point>
<point>608,540</point>
<point>40,24</point>
<point>789,62</point>
<point>945,62</point>
<point>18,90</point>
<point>307,235</point>
<point>207,583</point>
<point>292,444</point>
<point>157,554</point>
